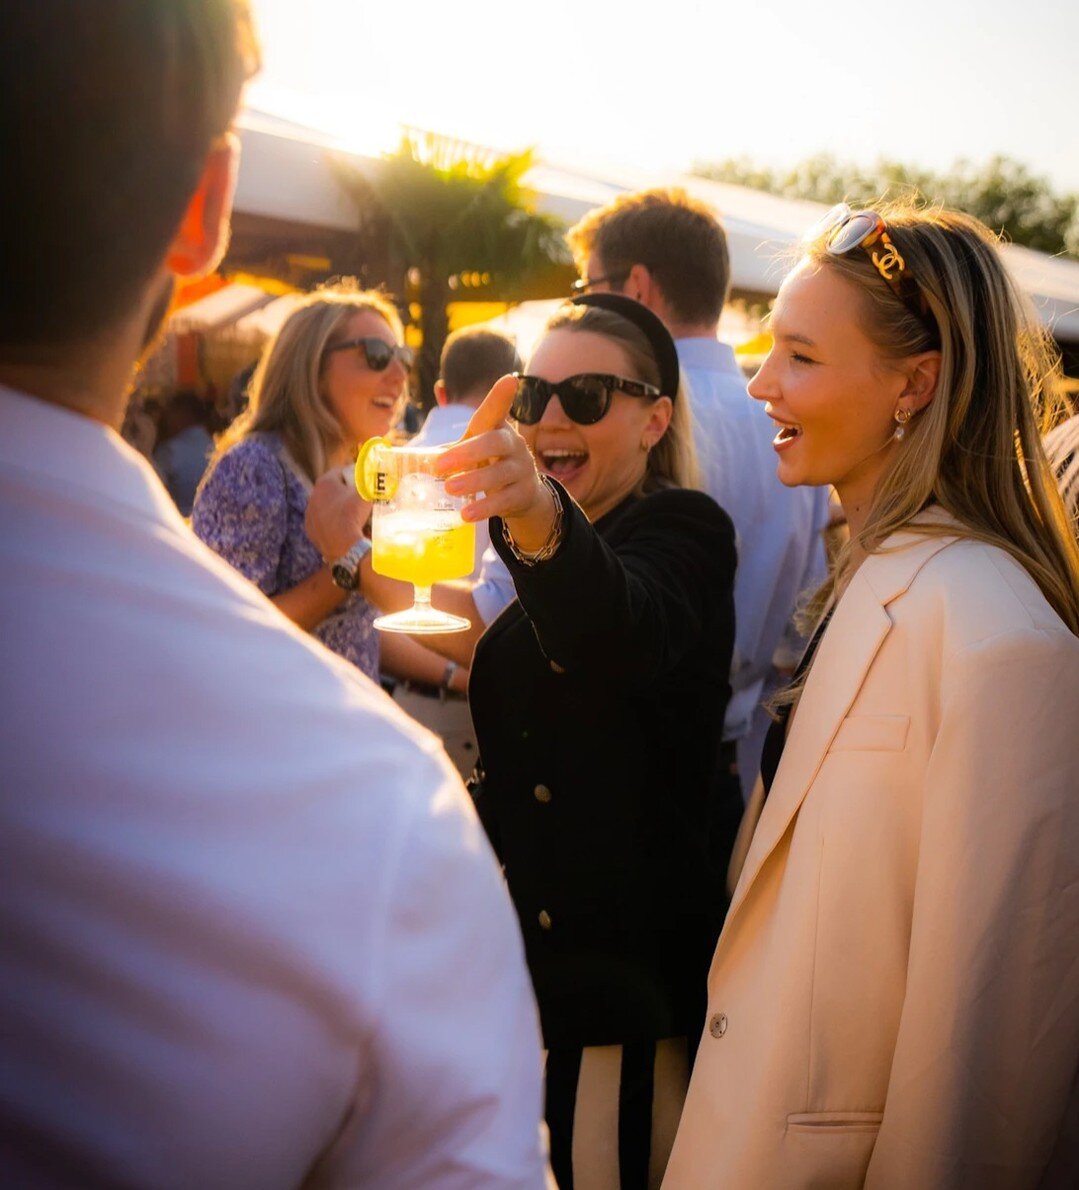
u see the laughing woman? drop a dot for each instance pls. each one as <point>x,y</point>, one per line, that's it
<point>334,376</point>
<point>598,699</point>
<point>894,1000</point>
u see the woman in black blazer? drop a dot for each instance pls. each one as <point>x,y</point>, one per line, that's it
<point>598,699</point>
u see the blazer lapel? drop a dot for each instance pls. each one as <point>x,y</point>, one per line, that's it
<point>858,627</point>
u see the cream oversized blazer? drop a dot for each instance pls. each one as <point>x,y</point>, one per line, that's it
<point>894,999</point>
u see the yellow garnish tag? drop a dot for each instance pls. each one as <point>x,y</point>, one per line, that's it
<point>376,475</point>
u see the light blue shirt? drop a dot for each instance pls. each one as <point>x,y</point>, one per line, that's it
<point>780,548</point>
<point>443,425</point>
<point>181,462</point>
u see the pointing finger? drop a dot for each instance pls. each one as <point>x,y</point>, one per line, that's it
<point>495,408</point>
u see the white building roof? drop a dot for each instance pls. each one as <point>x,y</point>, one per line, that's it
<point>290,172</point>
<point>219,308</point>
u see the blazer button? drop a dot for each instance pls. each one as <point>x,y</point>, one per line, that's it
<point>542,794</point>
<point>544,919</point>
<point>717,1026</point>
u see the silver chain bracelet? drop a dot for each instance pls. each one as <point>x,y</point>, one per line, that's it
<point>554,539</point>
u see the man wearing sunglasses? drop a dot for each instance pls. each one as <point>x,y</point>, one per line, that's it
<point>669,251</point>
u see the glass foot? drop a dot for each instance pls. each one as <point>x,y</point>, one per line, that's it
<point>422,620</point>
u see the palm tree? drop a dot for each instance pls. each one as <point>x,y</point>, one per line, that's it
<point>449,209</point>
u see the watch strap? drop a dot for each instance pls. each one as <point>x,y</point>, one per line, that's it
<point>345,570</point>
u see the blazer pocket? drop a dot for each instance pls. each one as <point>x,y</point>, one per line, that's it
<point>835,1121</point>
<point>872,733</point>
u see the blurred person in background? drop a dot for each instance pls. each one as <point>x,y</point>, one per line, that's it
<point>184,447</point>
<point>253,935</point>
<point>669,251</point>
<point>139,427</point>
<point>334,375</point>
<point>894,999</point>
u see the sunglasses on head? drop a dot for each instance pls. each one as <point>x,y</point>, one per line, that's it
<point>378,353</point>
<point>585,399</point>
<point>846,229</point>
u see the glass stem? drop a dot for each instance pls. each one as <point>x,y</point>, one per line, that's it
<point>421,598</point>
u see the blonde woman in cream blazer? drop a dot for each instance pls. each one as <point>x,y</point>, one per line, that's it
<point>894,999</point>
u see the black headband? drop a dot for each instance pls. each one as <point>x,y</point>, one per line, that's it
<point>659,338</point>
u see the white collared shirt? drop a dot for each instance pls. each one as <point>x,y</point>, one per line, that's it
<point>253,933</point>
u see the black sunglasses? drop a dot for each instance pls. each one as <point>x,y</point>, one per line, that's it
<point>584,284</point>
<point>585,399</point>
<point>378,353</point>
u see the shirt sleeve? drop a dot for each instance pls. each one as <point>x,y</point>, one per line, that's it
<point>456,1091</point>
<point>494,588</point>
<point>989,1032</point>
<point>241,512</point>
<point>637,609</point>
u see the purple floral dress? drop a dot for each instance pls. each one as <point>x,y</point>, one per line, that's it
<point>250,510</point>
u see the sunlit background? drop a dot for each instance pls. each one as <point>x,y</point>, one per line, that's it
<point>667,84</point>
<point>613,100</point>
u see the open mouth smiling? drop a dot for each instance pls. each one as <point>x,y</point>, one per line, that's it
<point>562,463</point>
<point>788,432</point>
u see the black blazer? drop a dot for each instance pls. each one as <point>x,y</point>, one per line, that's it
<point>598,698</point>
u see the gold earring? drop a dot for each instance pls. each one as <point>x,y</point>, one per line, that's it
<point>902,416</point>
<point>646,446</point>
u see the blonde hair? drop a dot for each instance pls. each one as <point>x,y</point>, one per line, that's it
<point>976,449</point>
<point>287,396</point>
<point>672,462</point>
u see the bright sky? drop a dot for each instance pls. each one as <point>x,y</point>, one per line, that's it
<point>593,81</point>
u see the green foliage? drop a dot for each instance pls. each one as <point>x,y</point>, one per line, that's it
<point>1001,192</point>
<point>446,208</point>
<point>455,208</point>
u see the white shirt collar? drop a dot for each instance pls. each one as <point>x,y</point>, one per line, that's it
<point>72,450</point>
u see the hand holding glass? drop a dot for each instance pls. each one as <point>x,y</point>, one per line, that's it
<point>416,530</point>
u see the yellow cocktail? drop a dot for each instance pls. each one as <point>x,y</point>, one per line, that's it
<point>423,548</point>
<point>417,533</point>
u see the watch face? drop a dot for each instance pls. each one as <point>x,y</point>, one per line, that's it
<point>345,572</point>
<point>344,575</point>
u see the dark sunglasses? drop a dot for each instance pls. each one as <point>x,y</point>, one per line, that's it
<point>378,353</point>
<point>584,284</point>
<point>585,399</point>
<point>847,229</point>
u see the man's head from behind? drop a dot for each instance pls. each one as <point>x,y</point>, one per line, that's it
<point>662,247</point>
<point>114,118</point>
<point>472,360</point>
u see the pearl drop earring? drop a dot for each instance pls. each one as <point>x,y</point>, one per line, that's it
<point>902,416</point>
